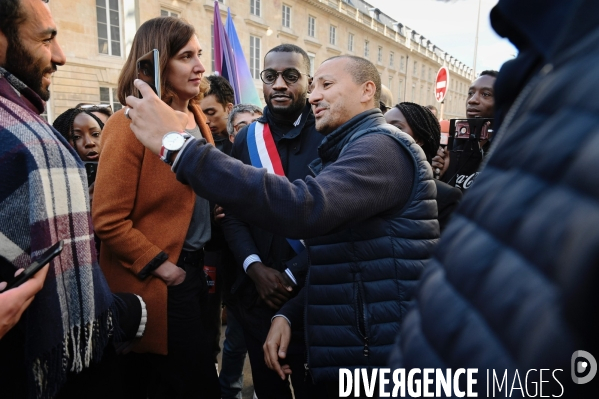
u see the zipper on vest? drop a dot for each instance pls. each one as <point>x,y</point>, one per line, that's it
<point>307,358</point>
<point>306,371</point>
<point>362,319</point>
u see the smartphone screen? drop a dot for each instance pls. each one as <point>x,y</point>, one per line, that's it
<point>463,128</point>
<point>91,168</point>
<point>37,264</point>
<point>148,70</point>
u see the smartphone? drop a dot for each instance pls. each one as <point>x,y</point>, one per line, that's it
<point>91,168</point>
<point>464,127</point>
<point>37,264</point>
<point>148,70</point>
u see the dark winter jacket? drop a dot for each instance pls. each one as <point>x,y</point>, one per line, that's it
<point>361,276</point>
<point>379,181</point>
<point>513,283</point>
<point>297,147</point>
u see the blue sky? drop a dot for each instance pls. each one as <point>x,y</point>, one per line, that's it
<point>451,26</point>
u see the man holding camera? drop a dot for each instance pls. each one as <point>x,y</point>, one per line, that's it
<point>459,167</point>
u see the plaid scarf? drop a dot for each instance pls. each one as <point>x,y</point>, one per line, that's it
<point>44,199</point>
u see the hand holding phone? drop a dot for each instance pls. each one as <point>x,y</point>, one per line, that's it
<point>148,70</point>
<point>14,302</point>
<point>91,168</point>
<point>39,263</point>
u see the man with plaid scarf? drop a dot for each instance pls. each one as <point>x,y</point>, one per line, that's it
<point>44,199</point>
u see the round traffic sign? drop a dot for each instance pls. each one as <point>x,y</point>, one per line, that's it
<point>441,84</point>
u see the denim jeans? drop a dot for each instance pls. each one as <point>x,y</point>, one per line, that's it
<point>233,358</point>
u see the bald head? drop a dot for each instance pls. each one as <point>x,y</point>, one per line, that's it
<point>361,71</point>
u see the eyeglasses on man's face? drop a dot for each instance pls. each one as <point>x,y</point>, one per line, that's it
<point>243,124</point>
<point>290,75</point>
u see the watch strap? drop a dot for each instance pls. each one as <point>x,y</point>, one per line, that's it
<point>165,155</point>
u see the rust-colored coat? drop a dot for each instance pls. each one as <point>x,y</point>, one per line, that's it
<point>139,210</point>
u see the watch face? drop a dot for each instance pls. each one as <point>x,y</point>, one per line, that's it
<point>173,141</point>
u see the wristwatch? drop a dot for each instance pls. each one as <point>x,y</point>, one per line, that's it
<point>171,142</point>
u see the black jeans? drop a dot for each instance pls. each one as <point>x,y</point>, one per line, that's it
<point>255,322</point>
<point>188,370</point>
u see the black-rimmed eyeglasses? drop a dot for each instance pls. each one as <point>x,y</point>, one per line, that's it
<point>290,75</point>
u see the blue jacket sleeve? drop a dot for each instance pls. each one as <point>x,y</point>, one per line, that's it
<point>293,310</point>
<point>367,179</point>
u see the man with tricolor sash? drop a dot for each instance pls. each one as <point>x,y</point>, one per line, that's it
<point>284,141</point>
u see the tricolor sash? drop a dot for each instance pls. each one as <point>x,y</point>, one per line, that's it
<point>264,154</point>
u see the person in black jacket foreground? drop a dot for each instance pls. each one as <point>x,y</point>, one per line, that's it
<point>368,218</point>
<point>513,283</point>
<point>420,123</point>
<point>269,260</point>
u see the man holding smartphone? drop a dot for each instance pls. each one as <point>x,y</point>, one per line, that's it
<point>459,169</point>
<point>368,217</point>
<point>43,199</point>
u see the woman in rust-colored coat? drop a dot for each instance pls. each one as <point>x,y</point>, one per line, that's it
<point>153,228</point>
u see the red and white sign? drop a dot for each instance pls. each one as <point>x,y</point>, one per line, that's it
<point>441,84</point>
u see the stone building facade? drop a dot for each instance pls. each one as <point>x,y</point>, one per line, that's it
<point>96,36</point>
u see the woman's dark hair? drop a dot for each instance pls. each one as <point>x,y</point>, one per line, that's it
<point>168,35</point>
<point>64,122</point>
<point>424,125</point>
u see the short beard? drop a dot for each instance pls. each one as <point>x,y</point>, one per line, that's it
<point>23,66</point>
<point>292,111</point>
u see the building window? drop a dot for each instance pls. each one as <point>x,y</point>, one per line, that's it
<point>423,72</point>
<point>255,7</point>
<point>415,68</point>
<point>430,74</point>
<point>109,27</point>
<point>390,83</point>
<point>366,49</point>
<point>311,26</point>
<point>312,58</point>
<point>167,13</point>
<point>380,55</point>
<point>286,17</point>
<point>401,63</point>
<point>350,42</point>
<point>108,95</point>
<point>255,57</point>
<point>333,35</point>
<point>399,93</point>
<point>391,60</point>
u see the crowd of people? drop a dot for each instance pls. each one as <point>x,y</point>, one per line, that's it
<point>316,221</point>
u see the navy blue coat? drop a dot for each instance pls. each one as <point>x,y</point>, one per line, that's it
<point>361,277</point>
<point>366,188</point>
<point>513,282</point>
<point>297,148</point>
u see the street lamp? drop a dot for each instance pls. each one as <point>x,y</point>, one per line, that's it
<point>476,38</point>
